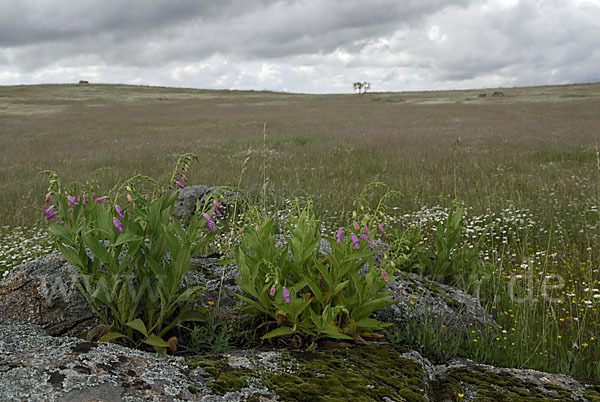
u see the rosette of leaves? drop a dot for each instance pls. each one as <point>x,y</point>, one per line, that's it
<point>305,294</point>
<point>139,256</point>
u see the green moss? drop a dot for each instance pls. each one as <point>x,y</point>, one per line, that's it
<point>592,393</point>
<point>221,378</point>
<point>359,374</point>
<point>491,386</point>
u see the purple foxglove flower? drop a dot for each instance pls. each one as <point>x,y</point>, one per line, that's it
<point>366,230</point>
<point>180,184</point>
<point>59,220</point>
<point>48,197</point>
<point>366,238</point>
<point>85,197</point>
<point>356,225</point>
<point>48,210</point>
<point>208,218</point>
<point>216,207</point>
<point>384,275</point>
<point>273,290</point>
<point>120,211</point>
<point>118,224</point>
<point>184,177</point>
<point>73,200</point>
<point>355,241</point>
<point>338,235</point>
<point>51,215</point>
<point>210,227</point>
<point>93,196</point>
<point>380,226</point>
<point>286,295</point>
<point>100,199</point>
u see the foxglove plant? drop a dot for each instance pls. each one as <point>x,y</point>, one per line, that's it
<point>140,255</point>
<point>300,292</point>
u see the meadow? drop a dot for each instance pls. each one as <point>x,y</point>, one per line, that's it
<point>525,165</point>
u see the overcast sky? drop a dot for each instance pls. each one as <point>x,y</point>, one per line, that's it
<point>312,46</point>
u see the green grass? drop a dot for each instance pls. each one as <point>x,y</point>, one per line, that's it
<point>525,165</point>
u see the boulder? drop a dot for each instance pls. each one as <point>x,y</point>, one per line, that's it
<point>35,366</point>
<point>189,196</point>
<point>41,292</point>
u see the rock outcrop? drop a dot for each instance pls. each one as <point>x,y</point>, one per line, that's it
<point>35,366</point>
<point>41,292</point>
<point>189,196</point>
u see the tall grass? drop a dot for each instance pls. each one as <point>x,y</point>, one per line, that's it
<point>525,166</point>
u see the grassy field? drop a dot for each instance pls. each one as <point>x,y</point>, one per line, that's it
<point>524,164</point>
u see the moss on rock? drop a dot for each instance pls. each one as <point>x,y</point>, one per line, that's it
<point>486,385</point>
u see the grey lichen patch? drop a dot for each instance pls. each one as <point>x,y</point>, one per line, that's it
<point>34,365</point>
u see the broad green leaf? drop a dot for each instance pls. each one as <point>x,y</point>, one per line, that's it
<point>139,326</point>
<point>281,331</point>
<point>156,341</point>
<point>111,336</point>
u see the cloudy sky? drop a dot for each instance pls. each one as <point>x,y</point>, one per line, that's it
<point>311,46</point>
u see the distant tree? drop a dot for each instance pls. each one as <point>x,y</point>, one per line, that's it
<point>365,86</point>
<point>362,87</point>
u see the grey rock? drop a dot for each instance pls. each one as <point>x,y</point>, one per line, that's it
<point>188,198</point>
<point>35,366</point>
<point>420,298</point>
<point>41,292</point>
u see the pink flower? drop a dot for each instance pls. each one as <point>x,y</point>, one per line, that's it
<point>73,200</point>
<point>384,275</point>
<point>210,227</point>
<point>366,238</point>
<point>286,295</point>
<point>48,197</point>
<point>180,184</point>
<point>51,215</point>
<point>273,290</point>
<point>380,226</point>
<point>120,211</point>
<point>356,225</point>
<point>48,210</point>
<point>129,198</point>
<point>100,199</point>
<point>208,218</point>
<point>216,207</point>
<point>338,235</point>
<point>118,224</point>
<point>184,177</point>
<point>355,241</point>
<point>366,230</point>
<point>85,197</point>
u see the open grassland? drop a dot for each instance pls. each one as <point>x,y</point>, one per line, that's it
<point>524,164</point>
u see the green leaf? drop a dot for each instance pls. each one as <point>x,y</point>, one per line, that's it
<point>127,238</point>
<point>333,333</point>
<point>281,331</point>
<point>155,341</point>
<point>138,325</point>
<point>111,336</point>
<point>370,323</point>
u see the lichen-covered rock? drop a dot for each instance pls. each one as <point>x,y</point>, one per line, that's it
<point>420,298</point>
<point>35,366</point>
<point>41,292</point>
<point>189,196</point>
